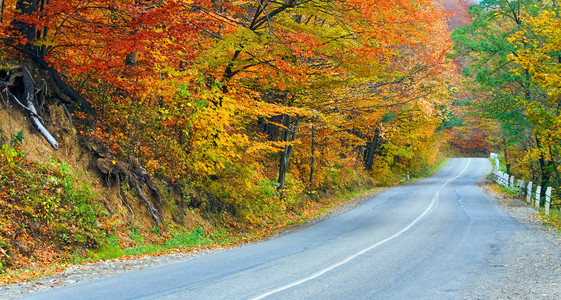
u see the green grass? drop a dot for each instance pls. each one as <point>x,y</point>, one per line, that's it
<point>180,239</point>
<point>431,170</point>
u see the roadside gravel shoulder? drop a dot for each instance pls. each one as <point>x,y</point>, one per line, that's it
<point>90,271</point>
<point>527,265</point>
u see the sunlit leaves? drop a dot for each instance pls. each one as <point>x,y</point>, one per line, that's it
<point>197,91</point>
<point>514,50</point>
<point>539,50</point>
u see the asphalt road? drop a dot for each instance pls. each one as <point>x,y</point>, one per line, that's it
<point>428,239</point>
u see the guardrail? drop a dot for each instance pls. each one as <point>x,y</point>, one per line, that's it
<point>524,190</point>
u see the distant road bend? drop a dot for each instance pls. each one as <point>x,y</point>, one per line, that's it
<point>428,239</point>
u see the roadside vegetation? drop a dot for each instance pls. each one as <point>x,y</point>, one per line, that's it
<point>58,219</point>
<point>554,217</point>
<point>510,54</point>
<point>189,124</point>
<point>511,50</point>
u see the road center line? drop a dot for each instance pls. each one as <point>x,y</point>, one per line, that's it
<point>346,260</point>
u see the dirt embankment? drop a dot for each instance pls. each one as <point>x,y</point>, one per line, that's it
<point>115,203</point>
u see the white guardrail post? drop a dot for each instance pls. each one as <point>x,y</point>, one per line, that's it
<point>521,188</point>
<point>507,181</point>
<point>547,200</point>
<point>538,191</point>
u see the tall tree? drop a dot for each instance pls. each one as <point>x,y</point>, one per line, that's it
<point>506,91</point>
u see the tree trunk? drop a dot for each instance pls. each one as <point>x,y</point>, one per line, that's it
<point>371,150</point>
<point>2,5</point>
<point>288,135</point>
<point>554,159</point>
<point>27,7</point>
<point>313,148</point>
<point>544,165</point>
<point>507,163</point>
<point>37,54</point>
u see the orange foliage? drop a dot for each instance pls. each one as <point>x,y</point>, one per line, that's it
<point>197,90</point>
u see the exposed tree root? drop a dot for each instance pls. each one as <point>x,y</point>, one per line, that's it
<point>66,93</point>
<point>123,200</point>
<point>21,85</point>
<point>134,175</point>
<point>28,103</point>
<point>21,89</point>
<point>155,214</point>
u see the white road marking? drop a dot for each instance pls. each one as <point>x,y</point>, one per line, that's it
<point>346,260</point>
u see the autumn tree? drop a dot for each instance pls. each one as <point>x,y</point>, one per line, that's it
<point>230,100</point>
<point>498,43</point>
<point>538,56</point>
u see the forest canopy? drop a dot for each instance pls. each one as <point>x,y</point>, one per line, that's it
<point>247,112</point>
<point>196,90</point>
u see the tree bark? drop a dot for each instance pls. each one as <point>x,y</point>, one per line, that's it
<point>507,163</point>
<point>37,54</point>
<point>69,94</point>
<point>371,148</point>
<point>554,159</point>
<point>288,135</point>
<point>313,148</point>
<point>27,7</point>
<point>544,165</point>
<point>2,5</point>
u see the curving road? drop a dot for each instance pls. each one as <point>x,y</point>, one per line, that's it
<point>424,240</point>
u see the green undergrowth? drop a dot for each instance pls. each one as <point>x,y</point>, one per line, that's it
<point>329,205</point>
<point>178,239</point>
<point>507,191</point>
<point>45,211</point>
<point>46,214</point>
<point>553,220</point>
<point>429,170</point>
<point>51,217</point>
<point>364,192</point>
